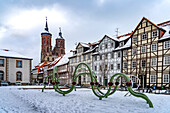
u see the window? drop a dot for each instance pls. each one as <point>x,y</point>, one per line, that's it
<point>125,65</point>
<point>84,78</point>
<point>19,63</point>
<point>48,59</point>
<point>153,47</point>
<point>134,51</point>
<point>53,59</point>
<point>152,78</point>
<point>106,46</point>
<point>106,55</point>
<point>167,60</point>
<point>166,78</point>
<point>166,44</point>
<point>84,57</point>
<point>79,58</point>
<point>125,53</point>
<point>143,63</point>
<point>100,57</point>
<point>133,64</point>
<point>118,66</point>
<point>154,34</point>
<point>153,61</point>
<point>144,36</point>
<point>118,54</point>
<point>44,41</point>
<point>1,62</point>
<point>47,41</point>
<point>101,47</point>
<point>61,43</point>
<point>19,76</point>
<point>112,44</point>
<point>134,39</point>
<point>95,68</point>
<point>95,58</point>
<point>88,56</point>
<point>112,55</point>
<point>1,75</point>
<point>80,50</point>
<point>58,43</point>
<point>133,79</point>
<point>143,49</point>
<point>121,44</point>
<point>111,66</point>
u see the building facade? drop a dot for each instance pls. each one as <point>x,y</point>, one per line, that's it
<point>15,67</point>
<point>106,61</point>
<point>149,55</point>
<point>82,53</point>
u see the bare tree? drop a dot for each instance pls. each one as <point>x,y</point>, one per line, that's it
<point>104,67</point>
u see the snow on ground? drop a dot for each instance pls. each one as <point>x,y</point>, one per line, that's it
<point>14,100</point>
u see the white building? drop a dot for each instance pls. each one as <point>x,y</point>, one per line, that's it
<point>15,67</point>
<point>106,61</point>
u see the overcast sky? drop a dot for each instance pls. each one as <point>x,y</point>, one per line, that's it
<point>22,21</point>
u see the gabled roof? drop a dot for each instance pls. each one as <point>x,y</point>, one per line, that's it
<point>144,18</point>
<point>83,44</point>
<point>112,38</point>
<point>165,26</point>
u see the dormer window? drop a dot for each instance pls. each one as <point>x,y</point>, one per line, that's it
<point>121,44</point>
<point>154,34</point>
<point>144,36</point>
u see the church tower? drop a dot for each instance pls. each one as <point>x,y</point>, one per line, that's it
<point>46,48</point>
<point>59,49</point>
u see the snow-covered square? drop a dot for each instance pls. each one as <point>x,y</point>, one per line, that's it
<point>13,99</point>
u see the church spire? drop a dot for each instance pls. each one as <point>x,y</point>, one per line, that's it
<point>60,33</point>
<point>46,26</point>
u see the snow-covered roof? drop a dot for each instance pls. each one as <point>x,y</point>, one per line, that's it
<point>90,50</point>
<point>167,33</point>
<point>64,59</point>
<point>55,61</point>
<point>124,37</point>
<point>84,44</point>
<point>13,54</point>
<point>128,44</point>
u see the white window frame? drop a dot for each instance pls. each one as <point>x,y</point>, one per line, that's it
<point>118,53</point>
<point>152,77</point>
<point>154,47</point>
<point>153,61</point>
<point>118,66</point>
<point>166,44</point>
<point>167,79</point>
<point>125,65</point>
<point>112,66</point>
<point>143,35</point>
<point>142,61</point>
<point>143,49</point>
<point>133,66</point>
<point>167,60</point>
<point>153,32</point>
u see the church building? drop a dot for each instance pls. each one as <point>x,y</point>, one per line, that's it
<point>49,53</point>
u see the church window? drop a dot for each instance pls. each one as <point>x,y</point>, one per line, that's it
<point>58,43</point>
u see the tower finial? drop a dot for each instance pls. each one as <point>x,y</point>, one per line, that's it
<point>60,33</point>
<point>46,26</point>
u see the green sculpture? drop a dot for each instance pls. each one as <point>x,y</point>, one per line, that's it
<point>94,84</point>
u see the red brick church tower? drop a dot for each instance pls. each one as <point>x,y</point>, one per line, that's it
<point>59,49</point>
<point>47,54</point>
